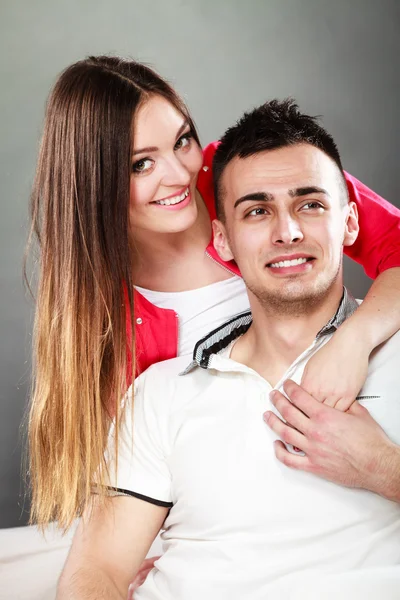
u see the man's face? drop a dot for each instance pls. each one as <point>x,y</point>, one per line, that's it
<point>286,220</point>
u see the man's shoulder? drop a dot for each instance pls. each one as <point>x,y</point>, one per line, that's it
<point>169,368</point>
<point>166,379</point>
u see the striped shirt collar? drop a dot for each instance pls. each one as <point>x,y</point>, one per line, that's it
<point>218,339</point>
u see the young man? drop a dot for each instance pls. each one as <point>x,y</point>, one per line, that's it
<point>239,524</point>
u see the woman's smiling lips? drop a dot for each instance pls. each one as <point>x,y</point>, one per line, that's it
<point>292,264</point>
<point>175,201</point>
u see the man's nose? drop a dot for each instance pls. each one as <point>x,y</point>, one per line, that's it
<point>287,230</point>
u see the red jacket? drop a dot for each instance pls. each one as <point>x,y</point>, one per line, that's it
<point>377,248</point>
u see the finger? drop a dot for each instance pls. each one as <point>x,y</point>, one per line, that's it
<point>293,461</point>
<point>148,563</point>
<point>287,433</point>
<point>331,400</point>
<point>132,588</point>
<point>302,399</point>
<point>309,387</point>
<point>359,410</point>
<point>138,581</point>
<point>143,573</point>
<point>290,413</point>
<point>343,404</point>
<point>145,568</point>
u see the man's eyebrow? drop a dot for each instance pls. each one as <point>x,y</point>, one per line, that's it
<point>154,148</point>
<point>305,191</point>
<point>255,197</point>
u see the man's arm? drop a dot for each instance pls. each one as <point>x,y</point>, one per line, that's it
<point>348,448</point>
<point>108,548</point>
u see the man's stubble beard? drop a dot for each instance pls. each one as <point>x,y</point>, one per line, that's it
<point>295,303</point>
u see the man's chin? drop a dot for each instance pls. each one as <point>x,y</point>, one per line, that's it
<point>295,290</point>
<point>292,297</point>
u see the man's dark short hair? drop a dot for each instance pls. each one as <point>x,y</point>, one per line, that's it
<point>273,125</point>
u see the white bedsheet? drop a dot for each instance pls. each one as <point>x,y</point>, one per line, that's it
<point>30,564</point>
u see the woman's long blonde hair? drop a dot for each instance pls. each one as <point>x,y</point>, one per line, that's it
<point>83,331</point>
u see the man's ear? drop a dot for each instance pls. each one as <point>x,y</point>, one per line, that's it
<point>221,243</point>
<point>352,226</point>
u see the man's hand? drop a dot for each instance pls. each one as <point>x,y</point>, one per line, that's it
<point>347,448</point>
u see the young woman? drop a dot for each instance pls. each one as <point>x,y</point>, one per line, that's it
<point>122,207</point>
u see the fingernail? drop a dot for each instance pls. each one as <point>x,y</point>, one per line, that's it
<point>272,394</point>
<point>266,416</point>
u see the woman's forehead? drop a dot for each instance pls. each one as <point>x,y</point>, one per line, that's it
<point>155,119</point>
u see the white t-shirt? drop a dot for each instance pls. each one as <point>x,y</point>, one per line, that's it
<point>202,310</point>
<point>241,524</point>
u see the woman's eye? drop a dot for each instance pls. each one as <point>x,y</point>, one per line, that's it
<point>143,165</point>
<point>256,212</point>
<point>183,142</point>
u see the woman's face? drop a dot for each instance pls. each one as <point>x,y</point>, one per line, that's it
<point>166,160</point>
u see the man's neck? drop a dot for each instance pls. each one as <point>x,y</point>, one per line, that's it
<point>274,341</point>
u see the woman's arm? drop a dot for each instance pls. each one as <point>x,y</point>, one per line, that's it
<point>378,317</point>
<point>377,247</point>
<point>336,373</point>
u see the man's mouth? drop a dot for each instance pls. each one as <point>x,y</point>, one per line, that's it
<point>290,263</point>
<point>173,199</point>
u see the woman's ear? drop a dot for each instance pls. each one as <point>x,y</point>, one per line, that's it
<point>221,243</point>
<point>352,227</point>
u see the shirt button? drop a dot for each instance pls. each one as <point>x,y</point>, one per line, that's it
<point>139,321</point>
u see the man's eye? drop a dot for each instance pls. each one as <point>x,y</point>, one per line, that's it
<point>256,212</point>
<point>312,206</point>
<point>184,141</point>
<point>142,165</point>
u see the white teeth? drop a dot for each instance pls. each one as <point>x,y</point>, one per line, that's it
<point>288,263</point>
<point>175,199</point>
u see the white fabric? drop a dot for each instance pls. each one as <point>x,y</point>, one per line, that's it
<point>199,311</point>
<point>243,525</point>
<point>202,310</point>
<point>30,563</point>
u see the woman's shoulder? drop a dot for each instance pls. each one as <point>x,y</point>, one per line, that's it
<point>205,179</point>
<point>208,153</point>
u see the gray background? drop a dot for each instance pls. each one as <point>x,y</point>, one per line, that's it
<point>337,58</point>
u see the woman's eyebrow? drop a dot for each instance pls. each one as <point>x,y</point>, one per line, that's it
<point>154,148</point>
<point>181,129</point>
<point>143,150</point>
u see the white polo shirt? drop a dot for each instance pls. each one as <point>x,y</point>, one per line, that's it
<point>241,525</point>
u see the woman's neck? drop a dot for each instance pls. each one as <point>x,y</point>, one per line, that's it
<point>169,262</point>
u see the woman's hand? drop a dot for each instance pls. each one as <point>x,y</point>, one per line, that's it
<point>140,578</point>
<point>337,372</point>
